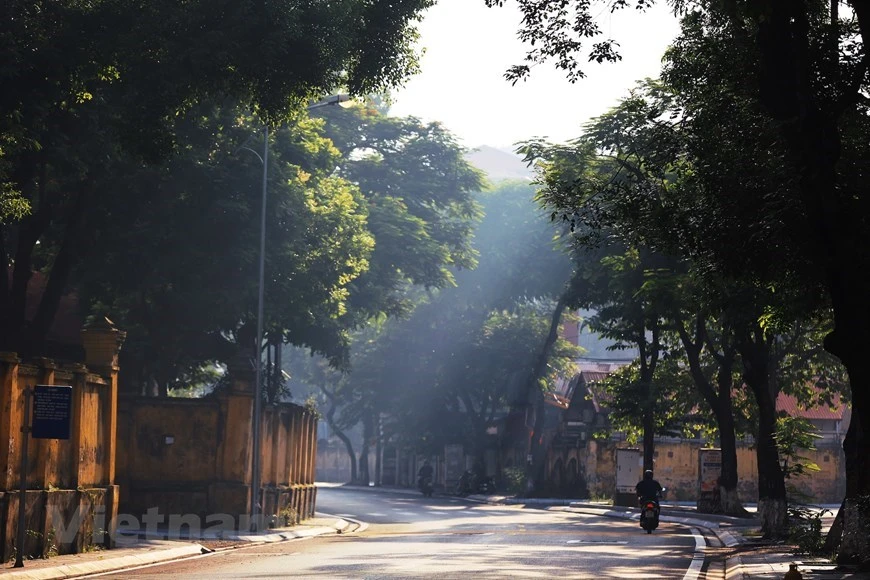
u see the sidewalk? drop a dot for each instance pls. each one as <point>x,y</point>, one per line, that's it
<point>154,550</point>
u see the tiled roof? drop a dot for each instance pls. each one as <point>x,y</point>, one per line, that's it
<point>556,400</point>
<point>593,376</point>
<point>790,405</point>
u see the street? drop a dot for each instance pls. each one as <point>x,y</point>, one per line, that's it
<point>405,535</point>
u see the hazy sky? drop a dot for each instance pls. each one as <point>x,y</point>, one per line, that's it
<point>468,49</point>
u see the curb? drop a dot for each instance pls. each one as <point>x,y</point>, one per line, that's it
<point>735,569</point>
<point>340,526</point>
<point>107,565</point>
<point>186,550</point>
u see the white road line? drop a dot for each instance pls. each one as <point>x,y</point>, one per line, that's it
<point>609,542</point>
<point>694,570</point>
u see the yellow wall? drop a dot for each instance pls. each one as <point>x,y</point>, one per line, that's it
<point>676,467</point>
<point>63,475</point>
<point>206,469</point>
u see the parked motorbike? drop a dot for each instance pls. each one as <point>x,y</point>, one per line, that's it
<point>486,486</point>
<point>649,512</point>
<point>425,485</point>
<point>469,483</point>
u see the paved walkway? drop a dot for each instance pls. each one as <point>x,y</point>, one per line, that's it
<point>736,552</point>
<point>153,551</point>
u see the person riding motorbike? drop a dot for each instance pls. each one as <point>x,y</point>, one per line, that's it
<point>648,489</point>
<point>426,470</point>
<point>424,478</point>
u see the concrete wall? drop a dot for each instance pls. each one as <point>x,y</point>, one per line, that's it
<point>676,467</point>
<point>192,457</point>
<point>70,483</point>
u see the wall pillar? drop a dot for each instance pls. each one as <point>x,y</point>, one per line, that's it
<point>10,419</point>
<point>47,449</point>
<point>231,492</point>
<point>102,342</point>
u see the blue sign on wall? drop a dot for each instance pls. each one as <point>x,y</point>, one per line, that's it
<point>52,409</point>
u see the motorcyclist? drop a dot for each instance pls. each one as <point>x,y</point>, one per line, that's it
<point>425,472</point>
<point>648,488</point>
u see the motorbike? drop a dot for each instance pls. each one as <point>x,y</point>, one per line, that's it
<point>649,512</point>
<point>469,483</point>
<point>425,485</point>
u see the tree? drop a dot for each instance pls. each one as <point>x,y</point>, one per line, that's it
<point>420,194</point>
<point>445,372</point>
<point>809,74</point>
<point>90,87</point>
<point>174,248</point>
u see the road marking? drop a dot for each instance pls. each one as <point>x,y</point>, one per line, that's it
<point>609,542</point>
<point>694,570</point>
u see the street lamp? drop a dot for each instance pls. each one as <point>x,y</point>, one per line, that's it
<point>258,380</point>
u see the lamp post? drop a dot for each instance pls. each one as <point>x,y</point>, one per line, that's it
<point>258,373</point>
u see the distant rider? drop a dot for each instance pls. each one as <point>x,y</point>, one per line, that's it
<point>426,471</point>
<point>648,488</point>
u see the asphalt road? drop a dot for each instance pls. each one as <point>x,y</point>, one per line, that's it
<point>409,536</point>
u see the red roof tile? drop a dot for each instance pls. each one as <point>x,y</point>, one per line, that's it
<point>593,376</point>
<point>791,406</point>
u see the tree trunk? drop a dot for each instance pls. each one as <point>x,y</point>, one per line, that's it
<point>64,261</point>
<point>835,534</point>
<point>537,446</point>
<point>838,229</point>
<point>649,356</point>
<point>536,475</point>
<point>364,475</point>
<point>330,420</point>
<point>719,399</point>
<point>772,505</point>
<point>854,545</point>
<point>351,454</point>
<point>379,453</point>
<point>729,499</point>
<point>847,343</point>
<point>649,432</point>
<point>771,482</point>
<point>29,230</point>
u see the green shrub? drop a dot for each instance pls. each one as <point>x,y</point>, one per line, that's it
<point>805,529</point>
<point>514,480</point>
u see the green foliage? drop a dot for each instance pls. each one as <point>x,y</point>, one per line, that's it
<point>445,372</point>
<point>793,436</point>
<point>562,32</point>
<point>805,529</point>
<point>13,207</point>
<point>100,102</point>
<point>420,199</point>
<point>203,210</point>
<point>311,406</point>
<point>196,382</point>
<point>670,395</point>
<point>514,479</point>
